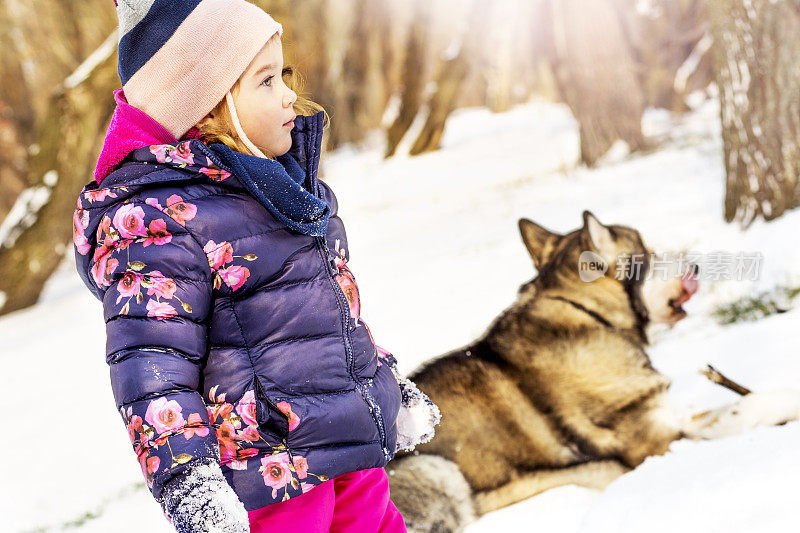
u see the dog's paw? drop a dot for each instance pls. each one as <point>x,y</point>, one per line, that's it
<point>755,409</point>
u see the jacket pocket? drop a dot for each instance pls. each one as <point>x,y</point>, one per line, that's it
<point>269,416</point>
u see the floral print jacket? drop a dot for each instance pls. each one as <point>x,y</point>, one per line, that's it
<point>230,337</point>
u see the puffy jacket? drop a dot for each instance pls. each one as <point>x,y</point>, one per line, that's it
<point>228,335</point>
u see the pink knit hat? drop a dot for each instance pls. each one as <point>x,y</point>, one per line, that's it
<point>179,58</point>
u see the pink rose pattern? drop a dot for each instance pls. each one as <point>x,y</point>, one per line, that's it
<point>220,255</point>
<point>276,471</point>
<point>80,221</point>
<point>157,233</point>
<point>179,210</point>
<point>237,427</point>
<point>130,285</point>
<point>116,234</point>
<point>128,222</point>
<point>347,282</point>
<point>182,156</point>
<point>179,154</point>
<point>163,419</point>
<point>300,466</point>
<point>234,276</point>
<point>161,286</point>
<point>216,174</point>
<point>98,195</point>
<point>247,408</point>
<point>164,415</point>
<point>195,426</point>
<point>293,419</point>
<point>160,310</point>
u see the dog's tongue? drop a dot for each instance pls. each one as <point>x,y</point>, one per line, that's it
<point>690,283</point>
<point>690,286</point>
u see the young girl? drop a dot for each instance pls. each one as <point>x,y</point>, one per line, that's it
<point>252,391</point>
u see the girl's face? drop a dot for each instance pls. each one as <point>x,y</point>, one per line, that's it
<point>264,102</point>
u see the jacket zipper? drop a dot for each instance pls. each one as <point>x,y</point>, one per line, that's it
<point>344,308</point>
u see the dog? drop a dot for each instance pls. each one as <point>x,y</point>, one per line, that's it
<point>559,390</point>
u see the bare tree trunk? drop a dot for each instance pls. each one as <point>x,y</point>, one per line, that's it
<point>671,43</point>
<point>452,75</point>
<point>597,75</point>
<point>502,24</point>
<point>41,42</point>
<point>412,87</point>
<point>69,136</point>
<point>16,118</point>
<point>757,53</point>
<point>453,72</point>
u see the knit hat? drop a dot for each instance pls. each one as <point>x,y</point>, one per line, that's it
<point>179,58</point>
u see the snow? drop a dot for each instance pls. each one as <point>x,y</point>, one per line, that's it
<point>744,483</point>
<point>437,255</point>
<point>23,213</point>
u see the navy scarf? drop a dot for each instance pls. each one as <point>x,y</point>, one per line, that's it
<point>278,185</point>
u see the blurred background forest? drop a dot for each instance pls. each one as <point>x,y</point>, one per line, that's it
<point>397,69</point>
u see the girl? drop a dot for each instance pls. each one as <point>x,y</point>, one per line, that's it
<point>253,394</point>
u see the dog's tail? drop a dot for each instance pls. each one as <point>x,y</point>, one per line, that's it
<point>431,494</point>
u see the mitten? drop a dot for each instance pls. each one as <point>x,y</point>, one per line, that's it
<point>200,500</point>
<point>418,415</point>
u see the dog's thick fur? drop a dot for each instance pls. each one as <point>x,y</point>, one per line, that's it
<point>559,390</point>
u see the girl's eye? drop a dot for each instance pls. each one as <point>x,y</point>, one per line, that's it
<point>267,81</point>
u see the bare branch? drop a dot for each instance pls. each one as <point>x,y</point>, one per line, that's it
<point>716,376</point>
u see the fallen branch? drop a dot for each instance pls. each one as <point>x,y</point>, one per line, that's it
<point>716,376</point>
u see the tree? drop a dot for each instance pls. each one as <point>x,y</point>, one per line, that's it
<point>756,57</point>
<point>597,75</point>
<point>455,67</point>
<point>671,43</point>
<point>412,84</point>
<point>62,105</point>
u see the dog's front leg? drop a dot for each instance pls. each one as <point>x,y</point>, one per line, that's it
<point>756,409</point>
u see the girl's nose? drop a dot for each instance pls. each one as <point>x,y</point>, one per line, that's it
<point>290,98</point>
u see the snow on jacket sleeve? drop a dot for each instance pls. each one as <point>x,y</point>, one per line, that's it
<point>157,297</point>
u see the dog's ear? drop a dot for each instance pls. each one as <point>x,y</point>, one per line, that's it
<point>600,237</point>
<point>538,240</point>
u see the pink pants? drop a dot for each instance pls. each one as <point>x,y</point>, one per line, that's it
<point>357,502</point>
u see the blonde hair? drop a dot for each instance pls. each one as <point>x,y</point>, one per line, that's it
<point>218,127</point>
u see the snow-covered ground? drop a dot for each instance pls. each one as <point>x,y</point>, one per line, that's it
<point>436,251</point>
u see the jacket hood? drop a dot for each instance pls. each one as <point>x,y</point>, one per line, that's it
<point>130,128</point>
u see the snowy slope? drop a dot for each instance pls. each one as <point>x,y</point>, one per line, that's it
<point>436,251</point>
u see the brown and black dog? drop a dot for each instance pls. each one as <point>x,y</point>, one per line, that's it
<point>558,391</point>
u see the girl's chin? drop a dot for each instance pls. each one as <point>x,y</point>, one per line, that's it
<point>278,148</point>
<point>284,148</point>
<point>287,145</point>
